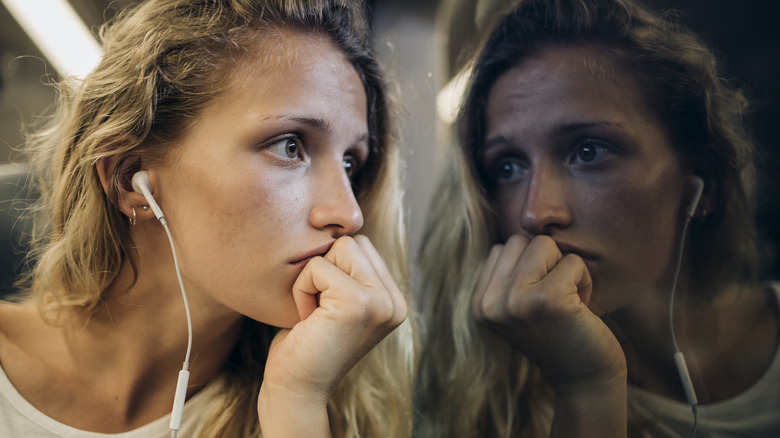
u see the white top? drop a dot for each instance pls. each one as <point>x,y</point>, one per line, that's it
<point>755,413</point>
<point>20,419</point>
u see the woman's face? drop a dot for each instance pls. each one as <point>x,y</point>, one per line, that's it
<point>262,180</point>
<point>572,151</point>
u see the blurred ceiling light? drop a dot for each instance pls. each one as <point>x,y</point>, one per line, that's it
<point>449,97</point>
<point>59,33</point>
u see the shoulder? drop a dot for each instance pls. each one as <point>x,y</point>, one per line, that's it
<point>27,346</point>
<point>757,310</point>
<point>765,308</point>
<point>755,317</point>
<point>746,342</point>
<point>20,324</point>
<point>752,308</point>
<point>773,295</point>
<point>9,318</point>
<point>13,314</point>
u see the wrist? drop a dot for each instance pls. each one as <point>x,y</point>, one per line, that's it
<point>592,408</point>
<point>604,380</point>
<point>291,413</point>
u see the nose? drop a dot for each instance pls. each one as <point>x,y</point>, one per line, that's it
<point>334,205</point>
<point>546,207</point>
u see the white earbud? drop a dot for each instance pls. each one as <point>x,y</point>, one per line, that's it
<point>698,183</point>
<point>141,185</point>
<point>679,359</point>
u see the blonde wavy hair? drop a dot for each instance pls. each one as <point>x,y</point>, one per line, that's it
<point>164,61</point>
<point>491,390</point>
<point>471,382</point>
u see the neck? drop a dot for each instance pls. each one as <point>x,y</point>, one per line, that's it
<point>134,346</point>
<point>728,342</point>
<point>149,321</point>
<point>644,331</point>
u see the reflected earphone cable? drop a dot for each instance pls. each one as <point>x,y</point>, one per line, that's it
<point>679,359</point>
<point>140,184</point>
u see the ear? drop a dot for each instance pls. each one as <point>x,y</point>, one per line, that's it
<point>115,179</point>
<point>708,200</point>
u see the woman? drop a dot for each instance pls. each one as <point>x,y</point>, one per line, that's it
<point>593,134</point>
<point>264,133</point>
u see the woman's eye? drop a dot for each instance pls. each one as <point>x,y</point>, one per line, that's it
<point>350,167</point>
<point>591,151</point>
<point>353,165</point>
<point>288,148</point>
<point>587,153</point>
<point>507,169</point>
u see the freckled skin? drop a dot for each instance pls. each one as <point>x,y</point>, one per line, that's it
<point>260,209</point>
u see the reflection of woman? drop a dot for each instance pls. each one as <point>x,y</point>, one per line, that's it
<point>265,135</point>
<point>586,133</point>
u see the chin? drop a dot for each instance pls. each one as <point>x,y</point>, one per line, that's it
<point>598,304</point>
<point>283,314</point>
<point>597,309</point>
<point>604,301</point>
<point>288,323</point>
<point>284,319</point>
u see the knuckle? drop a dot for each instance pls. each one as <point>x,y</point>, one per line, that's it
<point>491,307</point>
<point>574,260</point>
<point>545,242</point>
<point>343,243</point>
<point>315,261</point>
<point>360,239</point>
<point>516,240</point>
<point>372,308</point>
<point>530,305</point>
<point>401,313</point>
<point>384,312</point>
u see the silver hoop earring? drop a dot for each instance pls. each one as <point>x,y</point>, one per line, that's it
<point>132,220</point>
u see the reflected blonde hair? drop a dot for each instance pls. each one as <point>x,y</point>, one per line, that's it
<point>164,61</point>
<point>471,382</point>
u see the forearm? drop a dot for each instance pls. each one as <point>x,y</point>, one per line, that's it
<point>592,410</point>
<point>285,415</point>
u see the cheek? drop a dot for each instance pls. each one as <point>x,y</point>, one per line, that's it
<point>647,214</point>
<point>235,225</point>
<point>266,221</point>
<point>638,229</point>
<point>508,207</point>
<point>634,234</point>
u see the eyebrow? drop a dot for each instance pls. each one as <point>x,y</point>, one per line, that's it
<point>362,138</point>
<point>562,129</point>
<point>491,142</point>
<point>567,128</point>
<point>318,124</point>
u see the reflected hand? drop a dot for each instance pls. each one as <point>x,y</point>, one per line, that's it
<point>536,298</point>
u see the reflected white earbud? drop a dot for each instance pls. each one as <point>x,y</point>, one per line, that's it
<point>141,185</point>
<point>698,183</point>
<point>679,359</point>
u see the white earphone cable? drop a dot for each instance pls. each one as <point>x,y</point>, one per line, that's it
<point>181,384</point>
<point>678,356</point>
<point>140,183</point>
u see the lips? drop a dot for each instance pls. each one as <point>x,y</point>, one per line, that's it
<point>319,251</point>
<point>571,249</point>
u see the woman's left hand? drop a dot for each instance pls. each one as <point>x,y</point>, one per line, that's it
<point>348,303</point>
